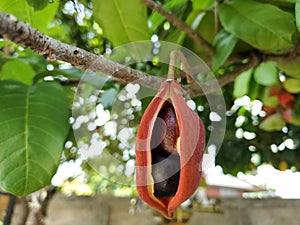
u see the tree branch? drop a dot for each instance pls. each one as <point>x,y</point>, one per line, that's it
<point>23,34</point>
<point>181,25</point>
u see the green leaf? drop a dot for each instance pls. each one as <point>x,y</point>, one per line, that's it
<point>264,26</point>
<point>156,19</point>
<point>18,70</point>
<point>241,83</point>
<point>177,37</point>
<point>224,44</point>
<point>206,27</point>
<point>33,127</point>
<point>270,101</point>
<point>38,4</point>
<point>203,4</point>
<point>267,99</point>
<point>108,98</point>
<point>266,74</point>
<point>274,122</point>
<point>269,96</point>
<point>293,115</point>
<point>295,118</point>
<point>23,11</point>
<point>297,14</point>
<point>254,90</point>
<point>292,85</point>
<point>290,67</point>
<point>193,20</point>
<point>286,1</point>
<point>202,22</point>
<point>122,21</point>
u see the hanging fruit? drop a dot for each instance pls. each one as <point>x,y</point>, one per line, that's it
<point>169,149</point>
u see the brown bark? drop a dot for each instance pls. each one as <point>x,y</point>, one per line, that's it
<point>23,34</point>
<point>21,212</point>
<point>32,209</point>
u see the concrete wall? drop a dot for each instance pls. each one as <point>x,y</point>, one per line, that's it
<point>106,210</point>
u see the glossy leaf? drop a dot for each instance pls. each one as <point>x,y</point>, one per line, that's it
<point>33,127</point>
<point>266,74</point>
<point>297,14</point>
<point>157,19</point>
<point>286,1</point>
<point>203,4</point>
<point>13,68</point>
<point>177,37</point>
<point>292,85</point>
<point>269,98</point>
<point>38,4</point>
<point>241,84</point>
<point>254,89</point>
<point>122,21</point>
<point>270,101</point>
<point>25,12</point>
<point>290,67</point>
<point>206,26</point>
<point>264,26</point>
<point>224,44</point>
<point>274,122</point>
<point>108,97</point>
<point>193,20</point>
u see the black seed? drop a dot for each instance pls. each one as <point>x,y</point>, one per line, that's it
<point>164,155</point>
<point>166,174</point>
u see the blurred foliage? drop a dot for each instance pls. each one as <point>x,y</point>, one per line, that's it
<point>263,104</point>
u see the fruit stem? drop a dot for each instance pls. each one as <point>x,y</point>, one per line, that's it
<point>171,72</point>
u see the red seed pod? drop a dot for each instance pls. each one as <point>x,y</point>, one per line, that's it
<point>169,150</point>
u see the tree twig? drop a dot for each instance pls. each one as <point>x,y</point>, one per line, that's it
<point>171,72</point>
<point>22,33</point>
<point>181,25</point>
<point>216,15</point>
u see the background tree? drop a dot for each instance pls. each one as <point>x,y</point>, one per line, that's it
<point>251,46</point>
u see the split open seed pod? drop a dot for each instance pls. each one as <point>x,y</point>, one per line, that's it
<point>169,150</point>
